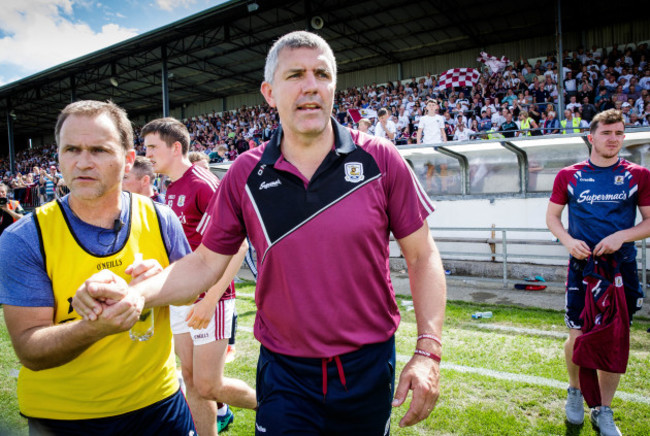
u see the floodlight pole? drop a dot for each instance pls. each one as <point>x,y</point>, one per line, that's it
<point>560,70</point>
<point>10,134</point>
<point>165,87</point>
<point>73,88</point>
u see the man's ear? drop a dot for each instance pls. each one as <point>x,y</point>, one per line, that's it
<point>177,147</point>
<point>129,159</point>
<point>267,91</point>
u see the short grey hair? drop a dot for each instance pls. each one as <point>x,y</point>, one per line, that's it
<point>294,40</point>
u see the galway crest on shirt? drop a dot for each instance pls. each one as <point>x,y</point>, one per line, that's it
<point>354,172</point>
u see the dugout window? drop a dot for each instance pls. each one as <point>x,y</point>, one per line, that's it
<point>438,173</point>
<point>492,169</point>
<point>546,157</point>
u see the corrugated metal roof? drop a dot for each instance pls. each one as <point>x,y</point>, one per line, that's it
<point>221,51</point>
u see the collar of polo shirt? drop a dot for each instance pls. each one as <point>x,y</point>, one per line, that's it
<point>343,143</point>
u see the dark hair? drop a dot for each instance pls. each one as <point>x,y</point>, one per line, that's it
<point>93,108</point>
<point>610,116</point>
<point>143,167</point>
<point>170,130</point>
<point>381,112</point>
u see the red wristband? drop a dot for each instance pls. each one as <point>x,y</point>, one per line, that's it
<point>427,354</point>
<point>434,338</point>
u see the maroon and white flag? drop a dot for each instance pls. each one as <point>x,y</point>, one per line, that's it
<point>494,63</point>
<point>458,78</point>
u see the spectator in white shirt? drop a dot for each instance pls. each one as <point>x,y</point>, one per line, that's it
<point>385,127</point>
<point>431,127</point>
<point>402,119</point>
<point>573,103</point>
<point>645,80</point>
<point>462,133</point>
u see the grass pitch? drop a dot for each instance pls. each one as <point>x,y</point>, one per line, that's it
<point>500,376</point>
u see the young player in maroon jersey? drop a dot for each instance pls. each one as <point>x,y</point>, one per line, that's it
<point>201,331</point>
<point>603,194</point>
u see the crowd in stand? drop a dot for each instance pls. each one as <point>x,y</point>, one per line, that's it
<point>520,100</point>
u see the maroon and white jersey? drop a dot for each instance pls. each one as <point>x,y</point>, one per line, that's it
<point>190,198</point>
<point>323,286</point>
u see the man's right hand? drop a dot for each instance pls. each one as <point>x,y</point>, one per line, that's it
<point>578,249</point>
<point>140,270</point>
<point>119,316</point>
<point>102,289</point>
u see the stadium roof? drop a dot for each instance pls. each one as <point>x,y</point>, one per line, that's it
<point>220,52</point>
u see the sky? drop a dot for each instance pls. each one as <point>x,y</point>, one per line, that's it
<point>39,34</point>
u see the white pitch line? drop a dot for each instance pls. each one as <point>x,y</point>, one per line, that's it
<point>504,328</point>
<point>529,379</point>
<point>509,376</point>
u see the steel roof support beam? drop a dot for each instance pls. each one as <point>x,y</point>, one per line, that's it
<point>165,87</point>
<point>10,134</point>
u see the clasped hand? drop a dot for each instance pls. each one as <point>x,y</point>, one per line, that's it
<point>105,289</point>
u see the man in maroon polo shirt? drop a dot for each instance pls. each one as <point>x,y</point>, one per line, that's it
<point>319,202</point>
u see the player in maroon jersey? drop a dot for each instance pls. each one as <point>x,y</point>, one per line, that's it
<point>201,331</point>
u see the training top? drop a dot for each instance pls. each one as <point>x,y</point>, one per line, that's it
<point>323,285</point>
<point>23,279</point>
<point>601,200</point>
<point>115,375</point>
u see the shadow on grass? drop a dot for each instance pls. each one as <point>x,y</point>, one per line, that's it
<point>573,429</point>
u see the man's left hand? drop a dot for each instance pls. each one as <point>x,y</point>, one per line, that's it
<point>100,290</point>
<point>608,245</point>
<point>200,314</point>
<point>119,316</point>
<point>422,376</point>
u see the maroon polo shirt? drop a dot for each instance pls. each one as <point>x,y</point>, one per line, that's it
<point>323,286</point>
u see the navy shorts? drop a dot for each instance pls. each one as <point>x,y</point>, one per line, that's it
<point>350,395</point>
<point>168,417</point>
<point>575,291</point>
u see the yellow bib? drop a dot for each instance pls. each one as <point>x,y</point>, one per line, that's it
<point>575,122</point>
<point>115,375</point>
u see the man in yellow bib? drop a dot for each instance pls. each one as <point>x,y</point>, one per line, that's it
<point>81,377</point>
<point>571,124</point>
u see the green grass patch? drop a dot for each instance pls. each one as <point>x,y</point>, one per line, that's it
<point>470,403</point>
<point>10,421</point>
